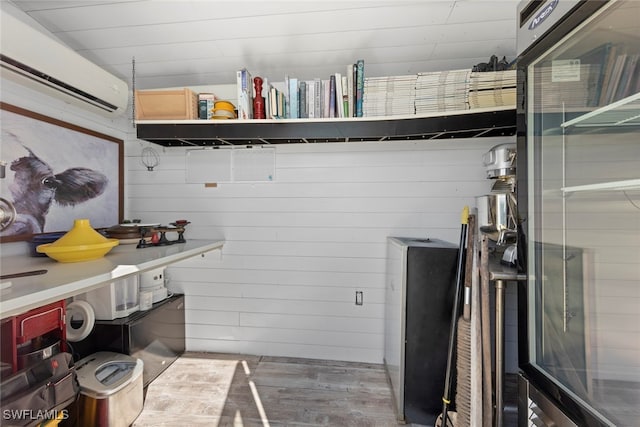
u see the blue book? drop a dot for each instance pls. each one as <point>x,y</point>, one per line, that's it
<point>359,86</point>
<point>293,98</point>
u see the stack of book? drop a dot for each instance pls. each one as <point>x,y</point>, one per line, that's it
<point>442,91</point>
<point>206,102</point>
<point>492,89</point>
<point>566,91</point>
<point>340,95</point>
<point>621,78</point>
<point>389,96</point>
<point>349,94</point>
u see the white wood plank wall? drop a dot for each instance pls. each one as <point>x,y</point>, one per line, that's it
<point>297,249</point>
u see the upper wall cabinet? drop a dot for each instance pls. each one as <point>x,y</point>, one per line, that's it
<point>481,122</point>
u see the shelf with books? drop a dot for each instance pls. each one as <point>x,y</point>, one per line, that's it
<point>475,123</point>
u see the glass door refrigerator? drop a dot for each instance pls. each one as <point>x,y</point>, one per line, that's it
<point>579,212</point>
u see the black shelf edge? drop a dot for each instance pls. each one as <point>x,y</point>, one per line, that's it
<point>470,124</point>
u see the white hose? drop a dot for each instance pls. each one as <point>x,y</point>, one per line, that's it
<point>80,310</point>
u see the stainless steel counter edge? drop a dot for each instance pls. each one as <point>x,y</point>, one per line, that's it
<point>64,280</point>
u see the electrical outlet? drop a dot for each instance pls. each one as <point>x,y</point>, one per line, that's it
<point>358,297</point>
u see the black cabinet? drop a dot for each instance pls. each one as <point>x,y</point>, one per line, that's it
<point>156,336</point>
<point>419,295</point>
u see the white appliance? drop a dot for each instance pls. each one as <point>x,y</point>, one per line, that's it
<point>34,59</point>
<point>115,300</point>
<point>153,281</point>
<point>578,127</point>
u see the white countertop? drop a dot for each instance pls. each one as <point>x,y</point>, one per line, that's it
<point>63,280</point>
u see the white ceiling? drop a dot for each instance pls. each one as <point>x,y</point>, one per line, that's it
<point>190,43</point>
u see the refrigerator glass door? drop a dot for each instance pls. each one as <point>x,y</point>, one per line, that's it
<point>583,226</point>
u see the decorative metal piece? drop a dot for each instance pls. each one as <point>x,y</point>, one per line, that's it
<point>159,235</point>
<point>149,157</point>
<point>7,213</point>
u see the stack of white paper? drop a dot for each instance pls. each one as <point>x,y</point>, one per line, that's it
<point>492,89</point>
<point>442,91</point>
<point>389,96</point>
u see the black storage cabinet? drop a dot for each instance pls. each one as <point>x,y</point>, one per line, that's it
<point>157,336</point>
<point>419,301</point>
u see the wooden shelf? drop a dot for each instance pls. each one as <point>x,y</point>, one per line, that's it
<point>486,122</point>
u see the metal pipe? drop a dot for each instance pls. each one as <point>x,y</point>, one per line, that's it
<point>500,285</point>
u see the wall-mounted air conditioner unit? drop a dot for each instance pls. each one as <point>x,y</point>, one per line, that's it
<point>36,60</point>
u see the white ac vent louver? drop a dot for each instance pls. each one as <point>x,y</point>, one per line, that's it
<point>35,60</point>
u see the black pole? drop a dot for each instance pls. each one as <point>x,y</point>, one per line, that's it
<point>446,397</point>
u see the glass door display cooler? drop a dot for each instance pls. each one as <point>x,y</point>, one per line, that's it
<point>578,192</point>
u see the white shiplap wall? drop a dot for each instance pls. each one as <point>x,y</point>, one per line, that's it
<point>298,248</point>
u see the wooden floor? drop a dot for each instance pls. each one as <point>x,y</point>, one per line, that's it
<point>216,389</point>
<point>231,390</point>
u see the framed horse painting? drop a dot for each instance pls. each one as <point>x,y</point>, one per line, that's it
<point>53,172</point>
